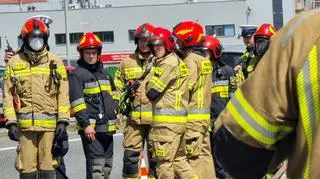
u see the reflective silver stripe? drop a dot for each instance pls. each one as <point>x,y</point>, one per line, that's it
<point>92,121</point>
<point>170,112</point>
<point>77,102</point>
<point>111,121</point>
<point>309,96</point>
<point>254,124</point>
<point>104,82</point>
<point>220,83</point>
<point>91,84</point>
<point>199,111</point>
<point>139,108</point>
<point>29,116</point>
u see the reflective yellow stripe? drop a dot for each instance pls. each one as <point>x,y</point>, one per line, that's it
<point>80,107</point>
<point>91,90</point>
<point>8,111</point>
<point>138,114</point>
<point>190,86</point>
<point>64,109</point>
<point>198,117</point>
<point>170,119</point>
<point>253,123</point>
<point>308,97</point>
<point>157,83</point>
<point>112,128</point>
<point>178,94</point>
<point>133,69</point>
<point>115,97</point>
<point>62,71</point>
<point>217,89</point>
<point>200,97</point>
<point>38,123</point>
<point>119,84</point>
<point>106,88</point>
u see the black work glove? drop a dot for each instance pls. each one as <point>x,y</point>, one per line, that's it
<point>13,132</point>
<point>60,129</point>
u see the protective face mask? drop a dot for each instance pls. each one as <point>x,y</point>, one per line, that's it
<point>36,43</point>
<point>262,46</point>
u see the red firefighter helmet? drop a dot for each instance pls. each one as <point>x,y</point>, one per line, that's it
<point>143,31</point>
<point>162,36</point>
<point>34,27</point>
<point>189,33</point>
<point>214,45</point>
<point>265,30</point>
<point>89,41</point>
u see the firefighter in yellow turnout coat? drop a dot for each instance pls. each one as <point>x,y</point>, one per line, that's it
<point>190,35</point>
<point>168,91</point>
<point>138,127</point>
<point>39,79</point>
<point>277,118</point>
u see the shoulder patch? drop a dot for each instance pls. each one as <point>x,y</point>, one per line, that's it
<point>19,66</point>
<point>206,67</point>
<point>157,71</point>
<point>183,69</point>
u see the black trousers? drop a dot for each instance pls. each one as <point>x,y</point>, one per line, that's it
<point>61,170</point>
<point>99,155</point>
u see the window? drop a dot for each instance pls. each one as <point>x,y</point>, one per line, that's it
<point>131,34</point>
<point>75,37</point>
<point>60,39</point>
<point>105,36</point>
<point>221,30</point>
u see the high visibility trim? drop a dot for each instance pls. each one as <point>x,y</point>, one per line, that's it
<point>308,97</point>
<point>25,123</point>
<point>106,88</point>
<point>200,94</point>
<point>138,114</point>
<point>198,114</point>
<point>169,119</point>
<point>133,69</point>
<point>157,83</point>
<point>8,111</point>
<point>253,123</point>
<point>104,82</point>
<point>77,102</point>
<point>190,86</point>
<point>217,89</point>
<point>178,94</point>
<point>170,112</point>
<point>36,116</point>
<point>119,84</point>
<point>63,109</point>
<point>91,84</point>
<point>79,107</point>
<point>220,83</point>
<point>62,71</point>
<point>198,117</point>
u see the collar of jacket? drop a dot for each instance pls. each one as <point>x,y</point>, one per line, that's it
<point>92,68</point>
<point>37,57</point>
<point>165,57</point>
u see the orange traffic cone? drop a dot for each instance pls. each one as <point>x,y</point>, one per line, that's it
<point>143,167</point>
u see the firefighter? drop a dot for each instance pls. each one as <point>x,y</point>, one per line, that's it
<point>63,142</point>
<point>261,44</point>
<point>190,37</point>
<point>223,87</point>
<point>277,119</point>
<point>41,110</point>
<point>241,69</point>
<point>167,89</point>
<point>94,107</point>
<point>139,119</point>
